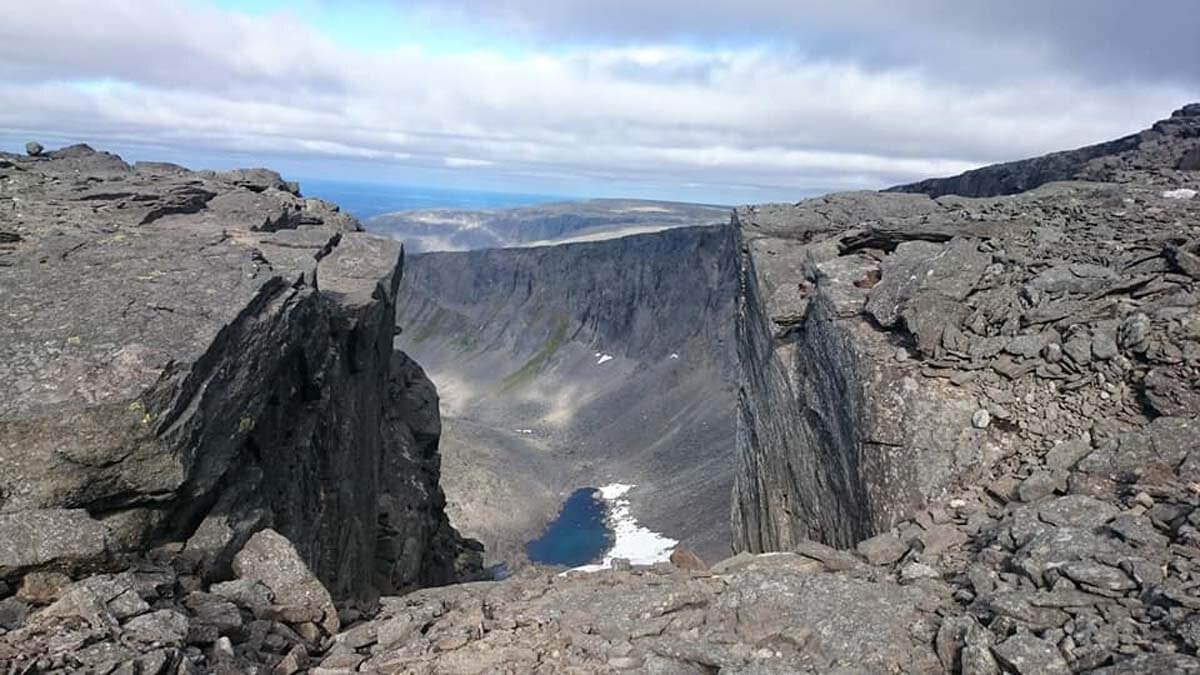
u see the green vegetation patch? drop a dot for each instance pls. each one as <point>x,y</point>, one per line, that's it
<point>429,327</point>
<point>528,371</point>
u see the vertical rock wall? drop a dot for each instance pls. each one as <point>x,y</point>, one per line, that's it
<point>190,357</point>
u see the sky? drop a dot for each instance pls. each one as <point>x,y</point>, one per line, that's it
<point>719,101</point>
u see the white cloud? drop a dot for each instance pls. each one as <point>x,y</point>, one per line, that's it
<point>758,118</point>
<point>466,162</point>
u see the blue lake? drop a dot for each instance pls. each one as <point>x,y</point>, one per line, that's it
<point>578,536</point>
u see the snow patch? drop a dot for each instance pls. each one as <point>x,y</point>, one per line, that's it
<point>674,355</point>
<point>523,431</point>
<point>602,358</point>
<point>1181,193</point>
<point>631,541</point>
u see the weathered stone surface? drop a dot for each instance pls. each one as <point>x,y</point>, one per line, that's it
<point>165,626</point>
<point>198,355</point>
<point>62,538</point>
<point>766,616</point>
<point>882,549</point>
<point>1027,655</point>
<point>269,558</point>
<point>1000,406</point>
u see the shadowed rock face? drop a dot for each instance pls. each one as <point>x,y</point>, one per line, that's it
<point>191,356</point>
<point>582,365</point>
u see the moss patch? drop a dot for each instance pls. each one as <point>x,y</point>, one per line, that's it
<point>428,328</point>
<point>528,371</point>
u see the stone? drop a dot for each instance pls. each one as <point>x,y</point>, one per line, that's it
<point>43,588</point>
<point>1039,484</point>
<point>941,538</point>
<point>244,593</point>
<point>33,148</point>
<point>831,558</point>
<point>214,610</point>
<point>13,612</point>
<point>1098,576</point>
<point>981,418</point>
<point>160,627</point>
<point>915,571</point>
<point>882,549</point>
<point>687,560</point>
<point>1133,331</point>
<point>396,629</point>
<point>1027,655</point>
<point>1065,454</point>
<point>292,662</point>
<point>1052,352</point>
<point>270,558</point>
<point>62,537</point>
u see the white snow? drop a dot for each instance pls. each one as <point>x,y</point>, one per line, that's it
<point>602,358</point>
<point>1181,193</point>
<point>674,355</point>
<point>631,541</point>
<point>523,431</point>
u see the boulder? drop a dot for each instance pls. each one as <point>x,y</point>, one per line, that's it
<point>269,558</point>
<point>63,538</point>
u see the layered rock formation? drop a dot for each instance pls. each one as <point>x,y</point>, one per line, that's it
<point>189,357</point>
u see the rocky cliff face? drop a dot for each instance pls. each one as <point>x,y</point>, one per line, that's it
<point>189,357</point>
<point>582,365</point>
<point>895,346</point>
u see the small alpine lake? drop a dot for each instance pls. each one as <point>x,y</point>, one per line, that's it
<point>578,536</point>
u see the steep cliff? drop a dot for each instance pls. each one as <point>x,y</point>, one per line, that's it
<point>188,357</point>
<point>582,365</point>
<point>895,347</point>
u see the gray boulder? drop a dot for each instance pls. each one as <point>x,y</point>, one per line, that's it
<point>269,558</point>
<point>61,538</point>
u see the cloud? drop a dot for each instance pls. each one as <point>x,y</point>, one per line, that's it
<point>592,102</point>
<point>466,162</point>
<point>1102,39</point>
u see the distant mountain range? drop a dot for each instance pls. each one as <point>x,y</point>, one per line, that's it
<point>557,223</point>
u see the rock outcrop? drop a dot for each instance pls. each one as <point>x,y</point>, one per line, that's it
<point>1022,372</point>
<point>189,357</point>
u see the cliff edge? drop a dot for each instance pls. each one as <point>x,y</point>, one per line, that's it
<point>189,357</point>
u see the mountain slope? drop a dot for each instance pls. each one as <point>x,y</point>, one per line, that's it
<point>545,224</point>
<point>581,365</point>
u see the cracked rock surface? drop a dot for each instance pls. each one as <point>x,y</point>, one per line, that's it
<point>189,357</point>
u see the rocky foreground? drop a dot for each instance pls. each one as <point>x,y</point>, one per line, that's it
<point>986,406</point>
